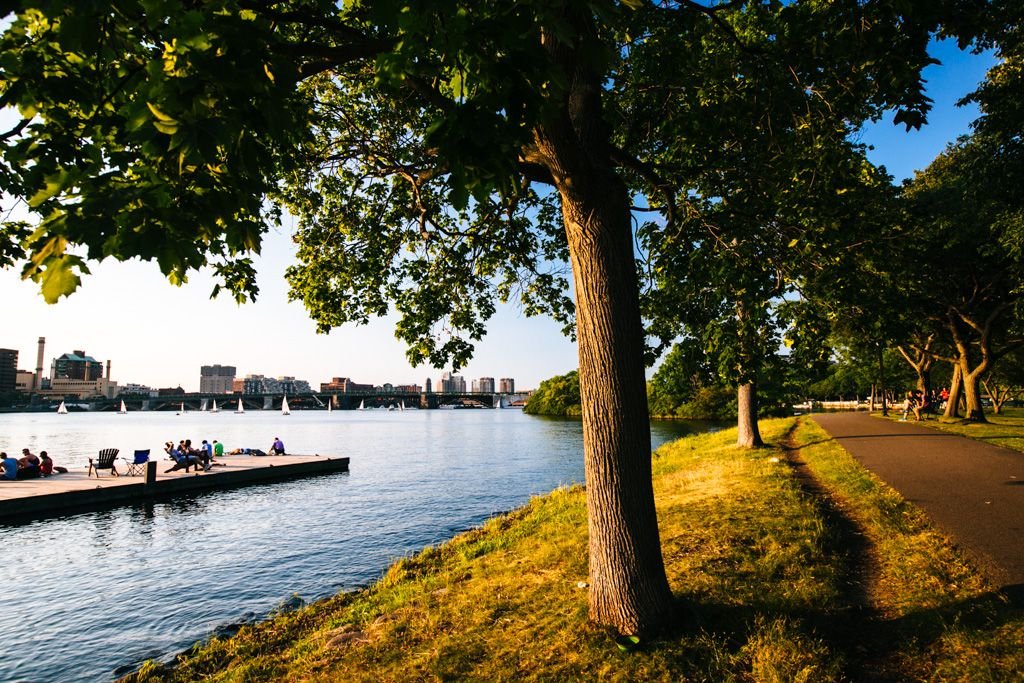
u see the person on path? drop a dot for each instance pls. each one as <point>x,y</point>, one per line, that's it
<point>908,405</point>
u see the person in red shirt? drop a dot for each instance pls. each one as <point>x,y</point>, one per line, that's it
<point>46,466</point>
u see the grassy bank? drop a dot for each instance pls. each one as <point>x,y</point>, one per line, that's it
<point>780,559</point>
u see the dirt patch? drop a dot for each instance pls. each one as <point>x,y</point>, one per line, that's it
<point>858,625</point>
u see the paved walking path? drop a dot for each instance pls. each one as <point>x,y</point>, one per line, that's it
<point>971,490</point>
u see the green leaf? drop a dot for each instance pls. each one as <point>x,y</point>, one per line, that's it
<point>58,279</point>
<point>55,183</point>
<point>159,114</point>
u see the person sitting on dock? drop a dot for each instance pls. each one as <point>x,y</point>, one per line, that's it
<point>46,466</point>
<point>181,459</point>
<point>28,465</point>
<point>277,448</point>
<point>218,448</point>
<point>207,449</point>
<point>10,467</point>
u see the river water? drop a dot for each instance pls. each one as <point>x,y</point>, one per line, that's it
<point>90,596</point>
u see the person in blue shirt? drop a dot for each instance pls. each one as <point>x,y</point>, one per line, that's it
<point>10,467</point>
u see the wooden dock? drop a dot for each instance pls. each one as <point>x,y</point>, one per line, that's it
<point>77,492</point>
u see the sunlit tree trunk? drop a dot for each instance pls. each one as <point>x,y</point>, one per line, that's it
<point>953,402</point>
<point>746,419</point>
<point>628,586</point>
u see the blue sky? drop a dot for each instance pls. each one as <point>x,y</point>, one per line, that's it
<point>158,334</point>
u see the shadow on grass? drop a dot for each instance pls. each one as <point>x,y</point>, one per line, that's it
<point>870,646</point>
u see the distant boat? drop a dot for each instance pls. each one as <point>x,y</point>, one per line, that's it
<point>401,405</point>
<point>214,409</point>
<point>328,406</point>
<point>62,409</point>
<point>123,410</point>
<point>361,406</point>
<point>284,406</point>
<point>239,409</point>
<point>182,411</point>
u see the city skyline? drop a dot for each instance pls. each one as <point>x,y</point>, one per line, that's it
<point>157,334</point>
<point>50,371</point>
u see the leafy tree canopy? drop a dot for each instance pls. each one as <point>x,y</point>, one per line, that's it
<point>559,395</point>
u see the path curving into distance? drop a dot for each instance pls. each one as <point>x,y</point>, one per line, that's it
<point>971,490</point>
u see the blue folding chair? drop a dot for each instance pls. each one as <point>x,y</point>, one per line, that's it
<point>137,467</point>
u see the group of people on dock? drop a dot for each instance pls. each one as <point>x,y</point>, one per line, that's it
<point>28,466</point>
<point>185,456</point>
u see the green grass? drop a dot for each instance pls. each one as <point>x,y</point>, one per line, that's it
<point>759,561</point>
<point>1005,429</point>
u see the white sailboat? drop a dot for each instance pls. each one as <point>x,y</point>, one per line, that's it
<point>123,409</point>
<point>214,409</point>
<point>284,406</point>
<point>182,411</point>
<point>361,406</point>
<point>401,405</point>
<point>62,409</point>
<point>240,409</point>
<point>328,406</point>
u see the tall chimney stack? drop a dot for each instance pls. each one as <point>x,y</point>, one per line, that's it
<point>108,370</point>
<point>39,364</point>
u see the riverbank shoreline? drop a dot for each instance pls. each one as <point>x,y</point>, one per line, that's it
<point>768,572</point>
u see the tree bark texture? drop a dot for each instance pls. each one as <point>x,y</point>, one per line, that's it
<point>628,586</point>
<point>955,392</point>
<point>746,420</point>
<point>971,377</point>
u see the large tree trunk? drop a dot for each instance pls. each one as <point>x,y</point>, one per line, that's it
<point>955,388</point>
<point>746,419</point>
<point>628,586</point>
<point>975,412</point>
<point>881,380</point>
<point>971,378</point>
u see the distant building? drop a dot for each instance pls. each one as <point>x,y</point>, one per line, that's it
<point>82,388</point>
<point>26,381</point>
<point>345,386</point>
<point>408,388</point>
<point>486,385</point>
<point>76,365</point>
<point>427,384</point>
<point>451,384</point>
<point>253,384</point>
<point>8,370</point>
<point>137,390</point>
<point>216,379</point>
<point>170,391</point>
<point>291,386</point>
<point>506,385</point>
